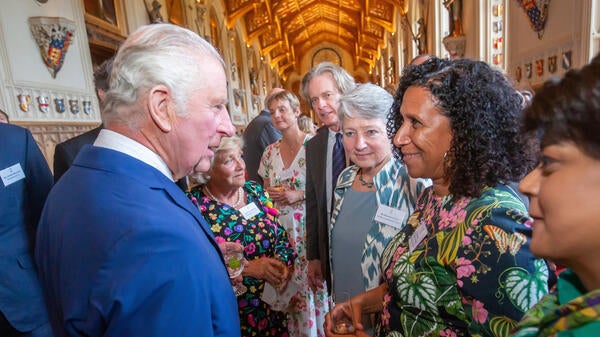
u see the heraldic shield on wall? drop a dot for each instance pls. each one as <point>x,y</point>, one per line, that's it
<point>53,36</point>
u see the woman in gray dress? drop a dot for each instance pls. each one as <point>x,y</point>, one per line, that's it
<point>373,197</point>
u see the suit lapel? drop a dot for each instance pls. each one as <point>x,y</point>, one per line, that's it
<point>182,201</point>
<point>123,164</point>
<point>321,152</point>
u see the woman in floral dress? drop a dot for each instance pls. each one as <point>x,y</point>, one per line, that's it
<point>462,265</point>
<point>283,168</point>
<point>240,211</point>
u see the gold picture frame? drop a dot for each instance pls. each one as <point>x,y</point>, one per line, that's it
<point>105,14</point>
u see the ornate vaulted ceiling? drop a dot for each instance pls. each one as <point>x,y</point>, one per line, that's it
<point>286,28</point>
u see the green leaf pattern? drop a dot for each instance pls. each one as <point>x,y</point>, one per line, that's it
<point>525,289</point>
<point>456,282</point>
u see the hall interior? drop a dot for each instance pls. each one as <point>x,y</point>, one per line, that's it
<point>273,43</point>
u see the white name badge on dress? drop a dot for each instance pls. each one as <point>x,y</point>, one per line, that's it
<point>418,236</point>
<point>390,216</point>
<point>12,174</point>
<point>249,210</point>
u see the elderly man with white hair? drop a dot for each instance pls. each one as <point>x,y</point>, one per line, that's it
<point>121,250</point>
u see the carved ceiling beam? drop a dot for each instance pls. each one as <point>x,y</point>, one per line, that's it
<point>233,16</point>
<point>278,58</point>
<point>387,25</point>
<point>329,38</point>
<point>283,69</point>
<point>267,49</point>
<point>255,34</point>
<point>370,62</point>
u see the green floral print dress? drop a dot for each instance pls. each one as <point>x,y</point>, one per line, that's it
<point>461,267</point>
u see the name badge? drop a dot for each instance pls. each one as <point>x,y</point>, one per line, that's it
<point>12,174</point>
<point>249,211</point>
<point>418,236</point>
<point>390,216</point>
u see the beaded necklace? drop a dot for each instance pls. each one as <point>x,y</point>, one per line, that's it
<point>363,182</point>
<point>240,196</point>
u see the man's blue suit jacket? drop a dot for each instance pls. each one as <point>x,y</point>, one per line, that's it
<point>21,204</point>
<point>123,252</point>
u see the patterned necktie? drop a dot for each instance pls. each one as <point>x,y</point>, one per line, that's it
<point>338,160</point>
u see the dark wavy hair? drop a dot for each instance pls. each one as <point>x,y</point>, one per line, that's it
<point>484,110</point>
<point>569,110</point>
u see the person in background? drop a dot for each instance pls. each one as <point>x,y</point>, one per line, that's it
<point>321,88</point>
<point>376,184</point>
<point>121,250</point>
<point>306,125</point>
<point>65,152</point>
<point>462,265</point>
<point>283,168</point>
<point>419,59</point>
<point>4,117</point>
<point>259,133</point>
<point>240,211</point>
<point>563,191</point>
<point>25,181</point>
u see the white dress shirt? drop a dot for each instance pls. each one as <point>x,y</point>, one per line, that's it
<point>116,141</point>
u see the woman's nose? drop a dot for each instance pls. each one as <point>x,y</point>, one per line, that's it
<point>360,142</point>
<point>401,137</point>
<point>531,183</point>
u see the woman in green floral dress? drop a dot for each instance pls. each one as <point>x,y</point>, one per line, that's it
<point>564,191</point>
<point>461,266</point>
<point>240,211</point>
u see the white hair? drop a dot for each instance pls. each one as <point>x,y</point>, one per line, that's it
<point>157,54</point>
<point>365,101</point>
<point>227,144</point>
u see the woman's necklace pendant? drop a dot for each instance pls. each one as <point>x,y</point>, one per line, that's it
<point>363,182</point>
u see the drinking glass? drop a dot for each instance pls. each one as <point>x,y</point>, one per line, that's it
<point>342,317</point>
<point>234,259</point>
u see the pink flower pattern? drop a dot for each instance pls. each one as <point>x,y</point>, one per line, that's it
<point>457,264</point>
<point>447,333</point>
<point>479,313</point>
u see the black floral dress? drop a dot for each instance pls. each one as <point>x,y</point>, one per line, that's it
<point>262,236</point>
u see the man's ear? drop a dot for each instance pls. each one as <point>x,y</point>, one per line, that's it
<point>161,108</point>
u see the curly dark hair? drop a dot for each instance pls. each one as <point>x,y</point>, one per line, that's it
<point>484,111</point>
<point>569,110</point>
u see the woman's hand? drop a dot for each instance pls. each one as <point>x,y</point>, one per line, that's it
<point>268,269</point>
<point>285,197</point>
<point>345,312</point>
<point>364,303</point>
<point>315,275</point>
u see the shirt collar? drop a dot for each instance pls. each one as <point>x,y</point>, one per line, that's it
<point>118,142</point>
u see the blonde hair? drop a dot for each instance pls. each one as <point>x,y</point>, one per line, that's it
<point>306,124</point>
